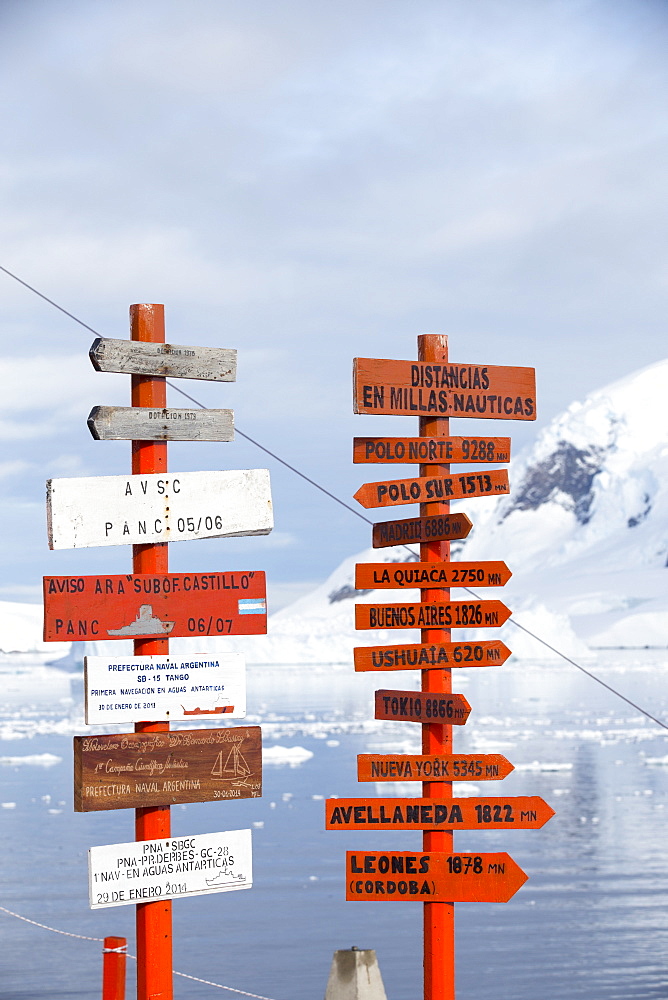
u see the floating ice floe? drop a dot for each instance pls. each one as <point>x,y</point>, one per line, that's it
<point>32,760</point>
<point>292,756</point>
<point>537,765</point>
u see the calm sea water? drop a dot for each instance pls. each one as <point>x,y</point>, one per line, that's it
<point>591,923</point>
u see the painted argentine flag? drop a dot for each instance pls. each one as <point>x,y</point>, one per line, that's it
<point>252,606</point>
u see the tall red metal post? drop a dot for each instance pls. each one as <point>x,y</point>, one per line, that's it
<point>439,918</point>
<point>154,920</point>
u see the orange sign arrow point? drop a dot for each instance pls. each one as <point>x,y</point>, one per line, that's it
<point>433,489</point>
<point>432,767</point>
<point>516,812</point>
<point>435,451</point>
<point>439,528</point>
<point>421,657</point>
<point>406,575</point>
<point>419,706</point>
<point>434,877</point>
<point>453,614</point>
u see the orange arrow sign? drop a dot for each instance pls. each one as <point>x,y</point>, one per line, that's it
<point>421,706</point>
<point>393,493</point>
<point>439,767</point>
<point>443,390</point>
<point>518,812</point>
<point>422,657</point>
<point>441,528</point>
<point>454,614</point>
<point>398,576</point>
<point>432,878</point>
<point>433,451</point>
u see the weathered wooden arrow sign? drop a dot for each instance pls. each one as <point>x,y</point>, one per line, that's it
<point>420,706</point>
<point>426,767</point>
<point>174,507</point>
<point>132,357</point>
<point>132,770</point>
<point>393,493</point>
<point>416,388</point>
<point>520,812</point>
<point>432,878</point>
<point>409,575</point>
<point>432,451</point>
<point>174,688</point>
<point>148,870</point>
<point>440,528</point>
<point>454,614</point>
<point>137,423</point>
<point>421,657</point>
<point>140,605</point>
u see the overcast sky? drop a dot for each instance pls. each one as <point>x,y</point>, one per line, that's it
<point>307,182</point>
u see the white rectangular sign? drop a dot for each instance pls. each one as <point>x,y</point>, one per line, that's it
<point>175,688</point>
<point>169,507</point>
<point>147,870</point>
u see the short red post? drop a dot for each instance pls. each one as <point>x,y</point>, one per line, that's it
<point>154,920</point>
<point>114,955</point>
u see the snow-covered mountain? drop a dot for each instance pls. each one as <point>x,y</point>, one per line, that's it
<point>585,527</point>
<point>584,531</point>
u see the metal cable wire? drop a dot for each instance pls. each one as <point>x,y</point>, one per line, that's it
<point>357,513</point>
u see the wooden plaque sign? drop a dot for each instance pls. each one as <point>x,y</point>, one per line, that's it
<point>395,492</point>
<point>440,528</point>
<point>414,388</point>
<point>432,451</point>
<point>421,657</point>
<point>173,688</point>
<point>132,357</point>
<point>144,605</point>
<point>420,706</point>
<point>454,614</point>
<point>147,871</point>
<point>432,878</point>
<point>120,510</point>
<point>135,423</point>
<point>426,767</point>
<point>520,812</point>
<point>409,575</point>
<point>133,770</point>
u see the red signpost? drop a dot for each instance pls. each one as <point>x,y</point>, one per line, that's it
<point>434,390</point>
<point>154,767</point>
<point>154,919</point>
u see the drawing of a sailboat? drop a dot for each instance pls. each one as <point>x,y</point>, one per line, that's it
<point>145,623</point>
<point>235,767</point>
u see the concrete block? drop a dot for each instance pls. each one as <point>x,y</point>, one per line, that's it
<point>355,975</point>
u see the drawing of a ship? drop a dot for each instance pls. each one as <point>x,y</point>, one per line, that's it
<point>144,624</point>
<point>235,767</point>
<point>218,710</point>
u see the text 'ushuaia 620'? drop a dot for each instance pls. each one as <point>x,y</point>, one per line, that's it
<point>155,767</point>
<point>434,389</point>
